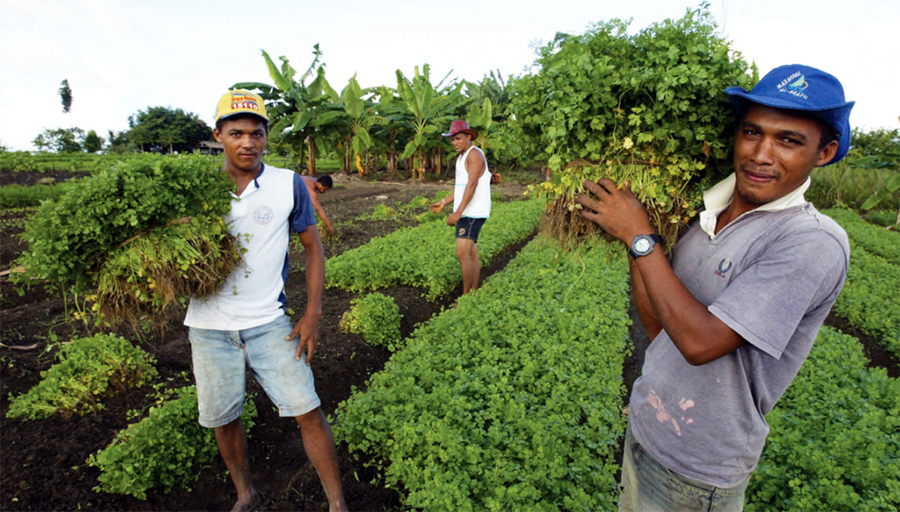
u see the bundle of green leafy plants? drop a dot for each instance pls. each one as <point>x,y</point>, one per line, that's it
<point>376,317</point>
<point>89,369</point>
<point>647,107</point>
<point>164,450</point>
<point>149,215</point>
<point>166,265</point>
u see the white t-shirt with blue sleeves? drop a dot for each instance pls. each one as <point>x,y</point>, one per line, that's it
<point>273,205</point>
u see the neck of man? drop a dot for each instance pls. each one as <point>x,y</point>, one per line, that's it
<point>241,177</point>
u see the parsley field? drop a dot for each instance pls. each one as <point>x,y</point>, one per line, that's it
<point>512,401</point>
<point>834,440</point>
<point>425,255</point>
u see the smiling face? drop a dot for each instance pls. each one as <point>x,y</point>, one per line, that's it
<point>461,141</point>
<point>244,139</point>
<point>775,151</point>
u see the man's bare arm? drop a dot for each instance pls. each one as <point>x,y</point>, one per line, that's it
<point>321,211</point>
<point>642,303</point>
<point>308,326</point>
<point>698,334</point>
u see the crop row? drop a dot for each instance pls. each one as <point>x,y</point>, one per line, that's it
<point>511,401</point>
<point>19,196</point>
<point>834,441</point>
<point>425,256</point>
<point>870,237</point>
<point>869,298</point>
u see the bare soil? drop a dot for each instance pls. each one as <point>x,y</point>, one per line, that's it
<point>42,463</point>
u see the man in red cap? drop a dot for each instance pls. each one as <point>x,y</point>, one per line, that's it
<point>471,199</point>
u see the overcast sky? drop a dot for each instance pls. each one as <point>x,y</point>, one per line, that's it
<point>123,56</point>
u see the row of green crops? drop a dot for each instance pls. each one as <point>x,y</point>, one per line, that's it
<point>834,442</point>
<point>20,196</point>
<point>164,450</point>
<point>874,239</point>
<point>869,298</point>
<point>43,162</point>
<point>88,370</point>
<point>512,401</point>
<point>425,255</point>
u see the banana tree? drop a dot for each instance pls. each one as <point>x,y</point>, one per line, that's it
<point>298,114</point>
<point>429,108</point>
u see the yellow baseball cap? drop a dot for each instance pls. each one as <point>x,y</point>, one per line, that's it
<point>240,102</point>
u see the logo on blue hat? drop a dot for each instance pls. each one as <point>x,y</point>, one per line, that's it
<point>794,85</point>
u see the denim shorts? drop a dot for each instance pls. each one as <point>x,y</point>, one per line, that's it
<point>648,486</point>
<point>220,361</point>
<point>468,227</point>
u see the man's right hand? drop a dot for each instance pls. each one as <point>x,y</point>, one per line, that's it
<point>437,207</point>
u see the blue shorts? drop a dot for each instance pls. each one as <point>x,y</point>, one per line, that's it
<point>468,227</point>
<point>220,361</point>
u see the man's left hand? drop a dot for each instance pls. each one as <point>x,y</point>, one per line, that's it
<point>308,330</point>
<point>616,210</point>
<point>453,218</point>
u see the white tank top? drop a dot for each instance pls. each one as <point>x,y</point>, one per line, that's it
<point>480,205</point>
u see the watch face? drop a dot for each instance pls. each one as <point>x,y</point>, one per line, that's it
<point>642,245</point>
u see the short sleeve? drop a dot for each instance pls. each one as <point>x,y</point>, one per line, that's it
<point>795,275</point>
<point>302,214</point>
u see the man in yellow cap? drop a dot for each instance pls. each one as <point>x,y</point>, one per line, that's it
<point>245,323</point>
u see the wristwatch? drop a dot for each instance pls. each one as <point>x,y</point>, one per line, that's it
<point>642,245</point>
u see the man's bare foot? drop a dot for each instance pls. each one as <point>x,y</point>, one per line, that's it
<point>339,506</point>
<point>246,505</point>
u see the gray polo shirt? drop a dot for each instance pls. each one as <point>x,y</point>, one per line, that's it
<point>771,276</point>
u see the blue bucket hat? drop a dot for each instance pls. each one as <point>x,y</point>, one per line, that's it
<point>803,88</point>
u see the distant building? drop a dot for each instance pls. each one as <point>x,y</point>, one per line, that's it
<point>210,147</point>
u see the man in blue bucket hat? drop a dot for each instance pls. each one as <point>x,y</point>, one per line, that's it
<point>735,313</point>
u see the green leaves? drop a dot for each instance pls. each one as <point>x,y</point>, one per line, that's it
<point>164,450</point>
<point>834,440</point>
<point>376,317</point>
<point>283,83</point>
<point>71,238</point>
<point>89,370</point>
<point>869,298</point>
<point>511,401</point>
<point>606,98</point>
<point>425,256</point>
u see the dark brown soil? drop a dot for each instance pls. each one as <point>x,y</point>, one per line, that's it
<point>878,356</point>
<point>35,177</point>
<point>42,463</point>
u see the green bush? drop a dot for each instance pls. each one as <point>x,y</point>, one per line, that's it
<point>164,450</point>
<point>425,255</point>
<point>511,401</point>
<point>20,196</point>
<point>89,369</point>
<point>376,317</point>
<point>382,212</point>
<point>834,440</point>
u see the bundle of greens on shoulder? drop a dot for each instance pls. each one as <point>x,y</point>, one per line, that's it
<point>146,233</point>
